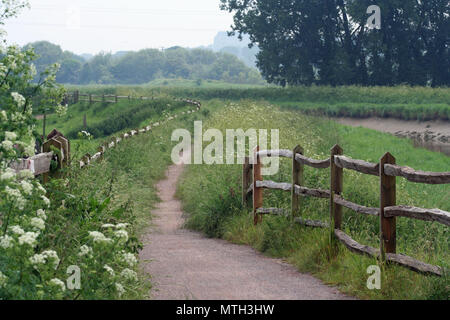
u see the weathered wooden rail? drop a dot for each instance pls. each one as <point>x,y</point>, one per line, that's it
<point>76,96</point>
<point>386,170</point>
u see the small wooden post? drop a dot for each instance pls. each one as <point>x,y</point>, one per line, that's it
<point>90,98</point>
<point>44,123</point>
<point>297,179</point>
<point>116,98</point>
<point>246,180</point>
<point>336,186</point>
<point>257,192</point>
<point>103,98</point>
<point>76,96</point>
<point>86,158</point>
<point>387,199</point>
<point>101,149</point>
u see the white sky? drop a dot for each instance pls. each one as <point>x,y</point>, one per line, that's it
<point>90,26</point>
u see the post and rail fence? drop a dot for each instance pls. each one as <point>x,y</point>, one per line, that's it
<point>387,171</point>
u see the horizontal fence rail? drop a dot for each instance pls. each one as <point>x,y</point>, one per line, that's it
<point>386,170</point>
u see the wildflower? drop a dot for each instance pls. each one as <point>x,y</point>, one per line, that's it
<point>27,187</point>
<point>99,237</point>
<point>41,214</point>
<point>11,136</point>
<point>19,99</point>
<point>121,235</point>
<point>5,241</point>
<point>58,283</point>
<point>3,114</point>
<point>29,238</point>
<point>108,225</point>
<point>4,279</point>
<point>29,150</point>
<point>46,200</point>
<point>120,289</point>
<point>109,270</point>
<point>51,255</point>
<point>17,230</point>
<point>37,259</point>
<point>85,250</point>
<point>8,174</point>
<point>128,274</point>
<point>122,225</point>
<point>38,223</point>
<point>129,259</point>
<point>7,145</point>
<point>26,174</point>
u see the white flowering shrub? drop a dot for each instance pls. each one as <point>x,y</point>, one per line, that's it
<point>43,231</point>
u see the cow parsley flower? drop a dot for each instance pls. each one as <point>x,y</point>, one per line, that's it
<point>26,187</point>
<point>17,230</point>
<point>29,238</point>
<point>120,289</point>
<point>6,242</point>
<point>7,145</point>
<point>58,283</point>
<point>128,274</point>
<point>41,214</point>
<point>37,259</point>
<point>98,237</point>
<point>38,223</point>
<point>109,270</point>
<point>122,225</point>
<point>108,225</point>
<point>121,235</point>
<point>4,115</point>
<point>129,259</point>
<point>11,136</point>
<point>85,251</point>
<point>46,201</point>
<point>8,174</point>
<point>26,174</point>
<point>51,255</point>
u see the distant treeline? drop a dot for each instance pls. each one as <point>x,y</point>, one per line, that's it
<point>144,66</point>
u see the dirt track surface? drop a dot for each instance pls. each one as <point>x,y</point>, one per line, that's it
<point>186,265</point>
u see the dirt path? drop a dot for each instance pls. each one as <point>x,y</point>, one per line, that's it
<point>185,265</point>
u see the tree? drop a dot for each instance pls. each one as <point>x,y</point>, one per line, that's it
<point>328,42</point>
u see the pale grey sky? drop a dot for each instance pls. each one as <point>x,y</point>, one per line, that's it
<point>90,26</point>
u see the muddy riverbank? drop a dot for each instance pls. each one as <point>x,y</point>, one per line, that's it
<point>432,135</point>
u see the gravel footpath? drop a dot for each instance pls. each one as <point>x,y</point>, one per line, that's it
<point>185,265</point>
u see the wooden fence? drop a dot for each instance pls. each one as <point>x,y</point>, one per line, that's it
<point>386,170</point>
<point>76,96</point>
<point>57,143</point>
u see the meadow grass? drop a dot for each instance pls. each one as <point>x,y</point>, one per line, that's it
<point>211,197</point>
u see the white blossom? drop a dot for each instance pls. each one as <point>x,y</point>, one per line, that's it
<point>41,214</point>
<point>129,259</point>
<point>46,200</point>
<point>108,225</point>
<point>128,274</point>
<point>58,283</point>
<point>11,136</point>
<point>120,289</point>
<point>121,234</point>
<point>122,225</point>
<point>37,259</point>
<point>4,280</point>
<point>38,223</point>
<point>17,230</point>
<point>29,238</point>
<point>7,145</point>
<point>99,237</point>
<point>19,99</point>
<point>8,174</point>
<point>26,174</point>
<point>6,241</point>
<point>26,187</point>
<point>109,270</point>
<point>85,250</point>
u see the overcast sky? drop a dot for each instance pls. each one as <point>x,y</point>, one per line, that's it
<point>91,26</point>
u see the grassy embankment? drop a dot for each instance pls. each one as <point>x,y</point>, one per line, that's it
<point>402,102</point>
<point>211,196</point>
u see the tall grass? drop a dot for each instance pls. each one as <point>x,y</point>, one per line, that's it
<point>211,196</point>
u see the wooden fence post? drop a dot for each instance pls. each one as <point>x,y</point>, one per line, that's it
<point>101,149</point>
<point>246,181</point>
<point>84,122</point>
<point>387,199</point>
<point>116,98</point>
<point>297,179</point>
<point>90,98</point>
<point>257,192</point>
<point>336,186</point>
<point>76,96</point>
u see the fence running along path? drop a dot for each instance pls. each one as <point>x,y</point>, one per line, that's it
<point>387,171</point>
<point>40,163</point>
<point>76,96</point>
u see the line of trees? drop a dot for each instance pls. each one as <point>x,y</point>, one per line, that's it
<point>144,66</point>
<point>328,42</point>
